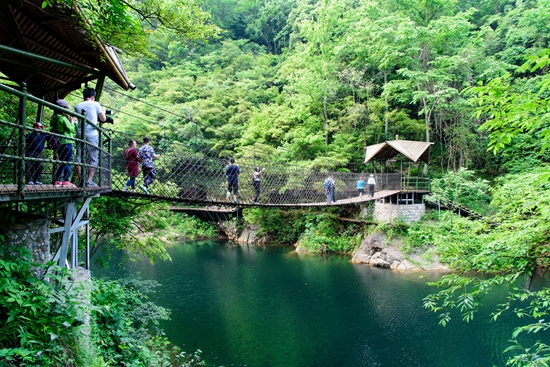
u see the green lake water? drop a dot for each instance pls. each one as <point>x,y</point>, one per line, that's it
<point>247,306</point>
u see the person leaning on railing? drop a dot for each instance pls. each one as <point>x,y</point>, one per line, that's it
<point>34,146</point>
<point>65,125</point>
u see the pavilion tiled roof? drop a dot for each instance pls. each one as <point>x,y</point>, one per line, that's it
<point>413,150</point>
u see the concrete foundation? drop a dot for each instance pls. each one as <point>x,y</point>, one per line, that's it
<point>387,212</point>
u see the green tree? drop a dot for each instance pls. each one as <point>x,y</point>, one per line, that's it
<point>125,23</point>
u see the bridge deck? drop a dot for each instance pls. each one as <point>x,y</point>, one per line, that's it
<point>215,205</point>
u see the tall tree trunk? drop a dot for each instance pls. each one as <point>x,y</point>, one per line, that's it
<point>386,122</point>
<point>427,117</point>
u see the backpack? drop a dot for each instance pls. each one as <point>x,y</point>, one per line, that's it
<point>52,142</point>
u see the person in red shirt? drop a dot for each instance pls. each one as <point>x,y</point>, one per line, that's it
<point>131,155</point>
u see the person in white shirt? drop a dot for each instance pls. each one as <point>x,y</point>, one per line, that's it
<point>371,182</point>
<point>93,111</point>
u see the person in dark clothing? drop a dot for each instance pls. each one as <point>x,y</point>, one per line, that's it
<point>232,172</point>
<point>256,183</point>
<point>34,145</point>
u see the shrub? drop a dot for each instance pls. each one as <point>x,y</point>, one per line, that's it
<point>40,317</point>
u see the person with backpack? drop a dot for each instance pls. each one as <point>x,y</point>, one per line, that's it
<point>65,125</point>
<point>131,156</point>
<point>328,185</point>
<point>256,183</point>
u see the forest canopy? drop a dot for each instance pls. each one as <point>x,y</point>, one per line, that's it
<point>317,81</point>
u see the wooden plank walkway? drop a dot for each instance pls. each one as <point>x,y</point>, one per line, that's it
<point>229,207</point>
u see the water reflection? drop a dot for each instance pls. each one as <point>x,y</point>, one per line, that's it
<point>243,305</point>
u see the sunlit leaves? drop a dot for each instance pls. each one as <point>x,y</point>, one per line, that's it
<point>511,107</point>
<point>126,23</point>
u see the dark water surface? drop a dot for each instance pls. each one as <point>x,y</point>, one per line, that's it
<point>247,306</point>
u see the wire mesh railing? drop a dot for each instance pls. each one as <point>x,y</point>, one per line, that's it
<point>198,177</point>
<point>33,159</point>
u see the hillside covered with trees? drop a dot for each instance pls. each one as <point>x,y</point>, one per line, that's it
<point>314,82</point>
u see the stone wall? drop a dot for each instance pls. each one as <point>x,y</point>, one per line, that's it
<point>385,212</point>
<point>27,230</point>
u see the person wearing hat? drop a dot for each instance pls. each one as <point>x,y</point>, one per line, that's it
<point>93,111</point>
<point>147,154</point>
<point>65,125</point>
<point>34,145</point>
<point>371,182</point>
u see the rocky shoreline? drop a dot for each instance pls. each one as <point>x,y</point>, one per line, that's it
<point>375,250</point>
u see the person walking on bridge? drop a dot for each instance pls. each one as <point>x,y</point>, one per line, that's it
<point>371,182</point>
<point>147,154</point>
<point>131,155</point>
<point>232,172</point>
<point>256,183</point>
<point>361,186</point>
<point>328,185</point>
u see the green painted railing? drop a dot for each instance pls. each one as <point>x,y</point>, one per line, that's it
<point>16,159</point>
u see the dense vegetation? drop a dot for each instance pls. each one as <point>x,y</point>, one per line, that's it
<point>53,319</point>
<point>311,83</point>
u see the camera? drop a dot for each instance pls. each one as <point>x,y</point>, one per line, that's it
<point>109,117</point>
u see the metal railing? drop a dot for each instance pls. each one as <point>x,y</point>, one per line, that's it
<point>20,164</point>
<point>415,183</point>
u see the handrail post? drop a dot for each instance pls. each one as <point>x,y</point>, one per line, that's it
<point>20,176</point>
<point>109,160</point>
<point>100,156</point>
<point>82,144</point>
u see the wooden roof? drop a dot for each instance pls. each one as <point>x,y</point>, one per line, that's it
<point>413,150</point>
<point>52,34</point>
